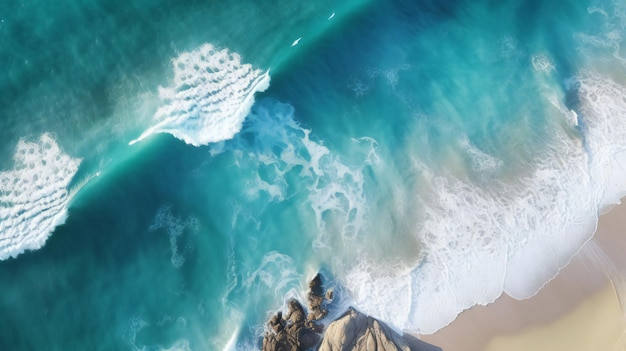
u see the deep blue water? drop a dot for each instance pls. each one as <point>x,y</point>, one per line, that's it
<point>171,173</point>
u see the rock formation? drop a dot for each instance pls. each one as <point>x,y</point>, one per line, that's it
<point>316,298</point>
<point>298,331</point>
<point>355,331</point>
<point>290,333</point>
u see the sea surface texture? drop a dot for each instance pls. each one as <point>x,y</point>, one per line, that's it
<point>171,172</point>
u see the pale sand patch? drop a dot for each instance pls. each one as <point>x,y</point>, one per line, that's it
<point>595,325</point>
<point>584,282</point>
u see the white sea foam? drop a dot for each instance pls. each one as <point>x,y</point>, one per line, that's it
<point>137,324</point>
<point>270,282</point>
<point>281,146</point>
<point>179,345</point>
<point>541,62</point>
<point>609,36</point>
<point>34,195</point>
<point>209,97</point>
<point>603,107</point>
<point>512,236</point>
<point>175,227</point>
<point>276,271</point>
<point>478,241</point>
<point>481,161</point>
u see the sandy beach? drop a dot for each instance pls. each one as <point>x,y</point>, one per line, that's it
<point>580,310</point>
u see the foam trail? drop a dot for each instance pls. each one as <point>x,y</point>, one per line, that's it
<point>335,188</point>
<point>175,226</point>
<point>276,271</point>
<point>231,344</point>
<point>34,195</point>
<point>481,161</point>
<point>541,62</point>
<point>209,97</point>
<point>603,117</point>
<point>179,345</point>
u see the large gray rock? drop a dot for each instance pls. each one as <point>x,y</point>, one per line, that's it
<point>355,331</point>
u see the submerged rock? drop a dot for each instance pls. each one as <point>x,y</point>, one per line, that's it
<point>355,331</point>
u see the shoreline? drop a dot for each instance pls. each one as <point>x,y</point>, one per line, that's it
<point>592,281</point>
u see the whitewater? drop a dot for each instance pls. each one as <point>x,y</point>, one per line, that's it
<point>425,161</point>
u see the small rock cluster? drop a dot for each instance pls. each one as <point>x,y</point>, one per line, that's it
<point>298,331</point>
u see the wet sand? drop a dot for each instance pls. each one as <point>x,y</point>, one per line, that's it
<point>580,310</point>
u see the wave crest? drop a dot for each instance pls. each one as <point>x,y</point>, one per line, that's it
<point>34,195</point>
<point>209,97</point>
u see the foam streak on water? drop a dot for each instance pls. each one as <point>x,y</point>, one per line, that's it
<point>209,97</point>
<point>335,188</point>
<point>34,195</point>
<point>175,228</point>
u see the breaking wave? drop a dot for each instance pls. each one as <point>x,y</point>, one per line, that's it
<point>34,195</point>
<point>209,97</point>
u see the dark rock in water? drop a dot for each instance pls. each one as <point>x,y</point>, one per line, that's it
<point>277,342</point>
<point>296,313</point>
<point>308,339</point>
<point>315,286</point>
<point>298,331</point>
<point>315,310</point>
<point>315,299</point>
<point>355,331</point>
<point>291,333</point>
<point>276,323</point>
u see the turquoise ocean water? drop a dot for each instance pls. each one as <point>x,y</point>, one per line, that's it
<point>171,172</point>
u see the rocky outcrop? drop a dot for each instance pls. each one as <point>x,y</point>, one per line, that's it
<point>316,299</point>
<point>355,331</point>
<point>298,331</point>
<point>290,333</point>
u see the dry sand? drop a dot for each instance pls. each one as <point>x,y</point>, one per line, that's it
<point>579,310</point>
